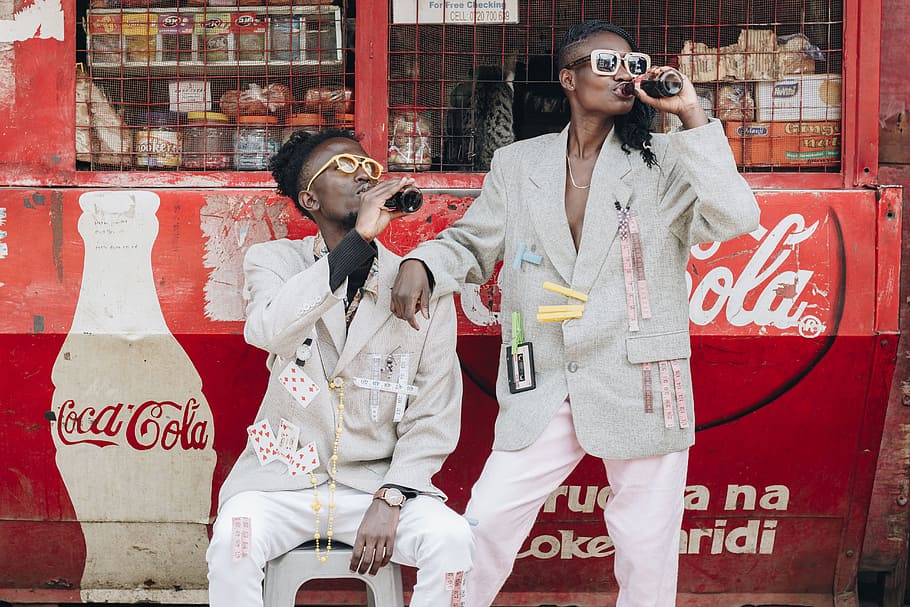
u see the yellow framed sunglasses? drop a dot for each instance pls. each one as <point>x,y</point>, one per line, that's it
<point>606,62</point>
<point>349,163</point>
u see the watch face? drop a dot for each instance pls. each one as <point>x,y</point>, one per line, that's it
<point>393,497</point>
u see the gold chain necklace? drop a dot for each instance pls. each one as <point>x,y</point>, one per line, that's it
<point>338,385</point>
<point>572,177</point>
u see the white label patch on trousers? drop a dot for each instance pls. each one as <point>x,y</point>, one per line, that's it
<point>455,584</point>
<point>240,537</point>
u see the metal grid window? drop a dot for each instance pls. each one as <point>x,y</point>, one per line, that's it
<point>464,81</point>
<point>206,84</point>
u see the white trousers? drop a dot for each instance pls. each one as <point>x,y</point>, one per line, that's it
<point>643,514</point>
<point>430,536</point>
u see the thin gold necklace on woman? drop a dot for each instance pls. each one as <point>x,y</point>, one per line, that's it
<point>572,177</point>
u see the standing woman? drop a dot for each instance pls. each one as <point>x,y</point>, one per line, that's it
<point>609,211</point>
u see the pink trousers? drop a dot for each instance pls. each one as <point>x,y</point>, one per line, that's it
<point>643,514</point>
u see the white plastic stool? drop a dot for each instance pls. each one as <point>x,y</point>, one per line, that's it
<point>287,573</point>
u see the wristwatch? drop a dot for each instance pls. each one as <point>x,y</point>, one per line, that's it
<point>390,495</point>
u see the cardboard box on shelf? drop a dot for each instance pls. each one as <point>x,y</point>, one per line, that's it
<point>785,143</point>
<point>758,54</point>
<point>754,56</point>
<point>750,142</point>
<point>801,97</point>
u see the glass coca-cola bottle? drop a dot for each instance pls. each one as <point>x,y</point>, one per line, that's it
<point>132,429</point>
<point>666,84</point>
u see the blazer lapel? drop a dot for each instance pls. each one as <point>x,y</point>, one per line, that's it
<point>370,314</point>
<point>331,330</point>
<point>610,183</point>
<point>548,210</point>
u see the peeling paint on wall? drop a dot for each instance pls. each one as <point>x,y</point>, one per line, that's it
<point>41,19</point>
<point>7,77</point>
<point>232,224</point>
<point>4,248</point>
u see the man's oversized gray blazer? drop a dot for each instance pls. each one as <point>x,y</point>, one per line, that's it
<point>695,195</point>
<point>289,301</point>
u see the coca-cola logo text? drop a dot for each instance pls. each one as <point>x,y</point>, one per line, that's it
<point>723,291</point>
<point>165,424</point>
<point>778,284</point>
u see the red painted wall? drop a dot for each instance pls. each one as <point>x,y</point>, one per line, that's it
<point>793,410</point>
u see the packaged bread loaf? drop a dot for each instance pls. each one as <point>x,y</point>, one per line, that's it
<point>735,103</point>
<point>329,99</point>
<point>255,100</point>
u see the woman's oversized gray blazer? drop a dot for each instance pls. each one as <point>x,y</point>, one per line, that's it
<point>695,195</point>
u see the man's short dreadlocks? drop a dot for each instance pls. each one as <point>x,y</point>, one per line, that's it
<point>288,163</point>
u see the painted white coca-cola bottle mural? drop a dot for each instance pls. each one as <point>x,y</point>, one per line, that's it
<point>133,431</point>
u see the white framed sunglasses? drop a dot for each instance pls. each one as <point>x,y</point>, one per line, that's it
<point>606,62</point>
<point>349,164</point>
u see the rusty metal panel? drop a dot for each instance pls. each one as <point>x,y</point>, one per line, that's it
<point>886,535</point>
<point>885,545</point>
<point>895,90</point>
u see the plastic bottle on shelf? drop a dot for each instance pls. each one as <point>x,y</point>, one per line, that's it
<point>256,139</point>
<point>206,141</point>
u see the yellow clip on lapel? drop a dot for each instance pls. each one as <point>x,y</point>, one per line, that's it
<point>549,286</point>
<point>566,309</point>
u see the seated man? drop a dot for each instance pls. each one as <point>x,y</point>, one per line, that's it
<point>360,410</point>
